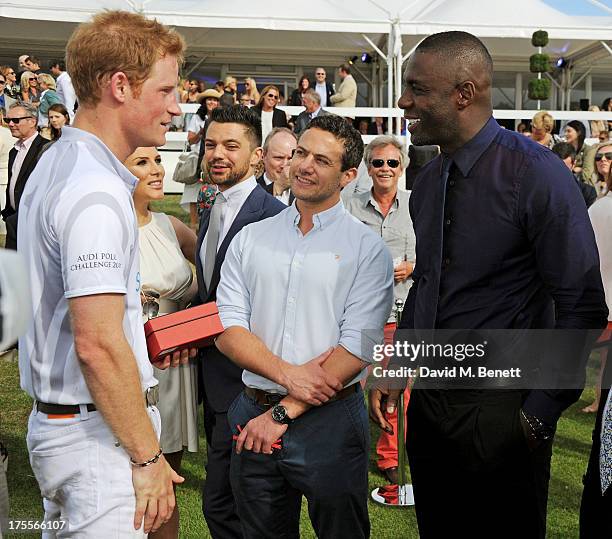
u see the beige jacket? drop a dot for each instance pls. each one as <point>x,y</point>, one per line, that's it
<point>346,95</point>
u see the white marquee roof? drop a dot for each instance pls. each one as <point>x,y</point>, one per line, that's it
<point>241,31</point>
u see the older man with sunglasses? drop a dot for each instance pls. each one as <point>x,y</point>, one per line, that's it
<point>21,120</point>
<point>384,209</point>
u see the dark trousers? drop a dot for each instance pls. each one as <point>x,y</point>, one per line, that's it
<point>324,456</point>
<point>218,503</point>
<point>472,473</point>
<point>595,509</point>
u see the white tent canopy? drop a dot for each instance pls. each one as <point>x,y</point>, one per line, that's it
<point>315,31</point>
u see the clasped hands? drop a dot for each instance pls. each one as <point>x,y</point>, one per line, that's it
<point>308,383</point>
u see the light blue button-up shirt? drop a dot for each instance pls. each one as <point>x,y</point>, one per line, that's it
<point>302,294</point>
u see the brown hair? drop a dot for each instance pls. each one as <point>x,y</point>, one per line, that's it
<point>264,92</point>
<point>117,41</point>
<point>58,107</point>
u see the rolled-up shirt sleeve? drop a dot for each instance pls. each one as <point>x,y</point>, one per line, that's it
<point>369,301</point>
<point>233,298</point>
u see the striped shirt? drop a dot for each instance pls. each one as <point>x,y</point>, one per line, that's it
<point>77,231</point>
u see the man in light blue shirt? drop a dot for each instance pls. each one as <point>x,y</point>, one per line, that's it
<point>304,284</point>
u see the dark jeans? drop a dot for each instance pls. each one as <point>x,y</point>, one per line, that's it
<point>472,473</point>
<point>595,509</point>
<point>324,456</point>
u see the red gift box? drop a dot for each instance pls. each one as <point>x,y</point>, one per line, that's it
<point>190,328</point>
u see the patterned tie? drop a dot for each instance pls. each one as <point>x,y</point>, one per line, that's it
<point>605,451</point>
<point>212,239</point>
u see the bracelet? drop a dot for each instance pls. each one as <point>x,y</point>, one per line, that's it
<point>146,462</point>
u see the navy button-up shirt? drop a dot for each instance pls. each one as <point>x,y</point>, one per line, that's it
<point>503,242</point>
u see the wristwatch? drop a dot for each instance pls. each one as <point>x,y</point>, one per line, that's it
<point>279,414</point>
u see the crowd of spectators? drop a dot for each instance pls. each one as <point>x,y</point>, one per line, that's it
<point>590,161</point>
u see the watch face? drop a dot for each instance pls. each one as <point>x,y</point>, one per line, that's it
<point>279,414</point>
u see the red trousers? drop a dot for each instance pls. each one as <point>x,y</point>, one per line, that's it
<point>386,447</point>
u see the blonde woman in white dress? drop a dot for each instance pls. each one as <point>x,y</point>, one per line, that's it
<point>166,245</point>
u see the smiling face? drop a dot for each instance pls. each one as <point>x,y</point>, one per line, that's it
<point>278,155</point>
<point>603,165</point>
<point>25,127</point>
<point>229,156</point>
<point>145,164</point>
<point>315,170</point>
<point>385,178</point>
<point>571,135</point>
<point>148,114</point>
<point>56,119</point>
<point>211,104</point>
<point>429,101</point>
<point>320,75</point>
<point>270,99</point>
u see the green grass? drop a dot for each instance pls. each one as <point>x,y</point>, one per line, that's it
<point>571,449</point>
<point>170,205</point>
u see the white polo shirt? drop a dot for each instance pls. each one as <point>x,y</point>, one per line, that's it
<point>77,231</point>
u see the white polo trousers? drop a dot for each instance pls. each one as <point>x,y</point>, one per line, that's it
<point>84,476</point>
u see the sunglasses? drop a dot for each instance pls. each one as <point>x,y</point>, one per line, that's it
<point>599,156</point>
<point>272,96</point>
<point>377,163</point>
<point>17,120</point>
<point>32,80</point>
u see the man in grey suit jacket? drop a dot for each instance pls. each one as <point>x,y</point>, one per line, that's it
<point>312,103</point>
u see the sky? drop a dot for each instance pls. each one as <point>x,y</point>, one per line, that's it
<point>580,7</point>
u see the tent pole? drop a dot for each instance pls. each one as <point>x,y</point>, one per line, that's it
<point>374,87</point>
<point>398,73</point>
<point>390,78</point>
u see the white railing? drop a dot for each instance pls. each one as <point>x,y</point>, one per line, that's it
<point>175,141</point>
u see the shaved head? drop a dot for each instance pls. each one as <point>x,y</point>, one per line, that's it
<point>461,54</point>
<point>447,95</point>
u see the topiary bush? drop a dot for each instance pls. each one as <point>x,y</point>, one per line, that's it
<point>539,89</point>
<point>539,63</point>
<point>539,38</point>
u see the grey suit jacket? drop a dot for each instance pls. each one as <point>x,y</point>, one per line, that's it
<point>303,120</point>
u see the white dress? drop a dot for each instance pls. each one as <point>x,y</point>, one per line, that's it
<point>164,269</point>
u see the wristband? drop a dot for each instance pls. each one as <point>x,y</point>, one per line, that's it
<point>146,462</point>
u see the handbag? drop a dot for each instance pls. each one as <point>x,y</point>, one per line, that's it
<point>186,168</point>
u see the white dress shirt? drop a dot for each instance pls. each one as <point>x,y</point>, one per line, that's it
<point>22,147</point>
<point>234,198</point>
<point>65,92</point>
<point>266,179</point>
<point>321,89</point>
<point>302,294</point>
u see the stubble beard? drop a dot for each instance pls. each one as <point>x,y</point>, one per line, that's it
<point>232,177</point>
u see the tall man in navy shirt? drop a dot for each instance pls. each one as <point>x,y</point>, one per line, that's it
<point>503,242</point>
